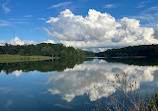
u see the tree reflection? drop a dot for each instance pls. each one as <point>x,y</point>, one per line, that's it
<point>42,66</point>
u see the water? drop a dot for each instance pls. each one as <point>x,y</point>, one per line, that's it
<point>67,84</point>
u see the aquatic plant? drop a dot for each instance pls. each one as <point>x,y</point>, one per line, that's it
<point>128,99</point>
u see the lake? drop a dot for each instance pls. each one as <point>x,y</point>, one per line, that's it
<point>66,85</point>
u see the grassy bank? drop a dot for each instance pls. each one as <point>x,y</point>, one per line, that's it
<point>18,58</point>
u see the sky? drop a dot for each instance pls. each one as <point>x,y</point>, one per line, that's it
<point>94,25</point>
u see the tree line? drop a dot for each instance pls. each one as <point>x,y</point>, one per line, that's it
<point>59,50</point>
<point>131,51</point>
<point>43,49</point>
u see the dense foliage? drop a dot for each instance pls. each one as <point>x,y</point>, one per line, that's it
<point>42,66</point>
<point>134,61</point>
<point>141,50</point>
<point>44,49</point>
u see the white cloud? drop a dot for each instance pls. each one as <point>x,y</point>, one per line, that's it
<point>95,49</point>
<point>110,6</point>
<point>13,19</point>
<point>148,19</point>
<point>11,22</point>
<point>42,19</point>
<point>17,41</point>
<point>154,8</point>
<point>17,73</point>
<point>2,42</point>
<point>156,32</point>
<point>5,23</point>
<point>28,16</point>
<point>62,4</point>
<point>49,41</point>
<point>103,49</point>
<point>5,89</point>
<point>142,4</point>
<point>91,78</point>
<point>4,6</point>
<point>99,30</point>
<point>148,16</point>
<point>8,104</point>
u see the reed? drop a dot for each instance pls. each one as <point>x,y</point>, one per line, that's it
<point>126,100</point>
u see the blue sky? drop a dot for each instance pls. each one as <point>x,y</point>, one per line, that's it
<point>26,19</point>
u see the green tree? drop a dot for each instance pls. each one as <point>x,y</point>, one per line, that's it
<point>47,51</point>
<point>22,52</point>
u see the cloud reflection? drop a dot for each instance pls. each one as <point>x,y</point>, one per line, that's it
<point>91,78</point>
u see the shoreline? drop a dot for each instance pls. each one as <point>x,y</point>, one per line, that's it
<point>118,57</point>
<point>18,58</point>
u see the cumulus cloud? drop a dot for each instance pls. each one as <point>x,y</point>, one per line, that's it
<point>49,41</point>
<point>2,42</point>
<point>17,73</point>
<point>103,49</point>
<point>156,32</point>
<point>91,78</point>
<point>99,30</point>
<point>4,6</point>
<point>95,49</point>
<point>17,41</point>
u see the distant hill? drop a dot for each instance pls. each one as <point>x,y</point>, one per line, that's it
<point>131,51</point>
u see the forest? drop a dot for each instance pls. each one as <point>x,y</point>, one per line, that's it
<point>131,51</point>
<point>43,49</point>
<point>59,50</point>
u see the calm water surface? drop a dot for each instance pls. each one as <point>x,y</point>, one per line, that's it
<point>66,85</point>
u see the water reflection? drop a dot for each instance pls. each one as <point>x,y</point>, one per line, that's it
<point>134,61</point>
<point>42,66</point>
<point>91,78</point>
<point>66,84</point>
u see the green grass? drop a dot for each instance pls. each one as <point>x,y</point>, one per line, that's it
<point>18,58</point>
